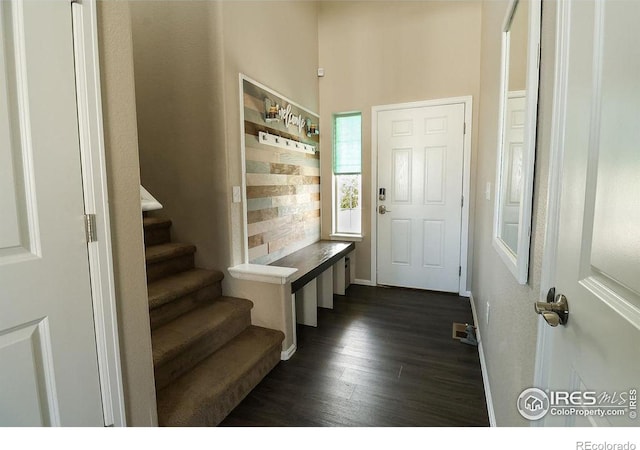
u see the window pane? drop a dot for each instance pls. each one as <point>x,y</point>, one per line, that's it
<point>348,204</point>
<point>347,144</point>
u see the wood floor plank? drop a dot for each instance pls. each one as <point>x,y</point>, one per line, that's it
<point>381,357</point>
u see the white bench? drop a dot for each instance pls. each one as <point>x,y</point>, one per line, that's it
<point>291,289</point>
<point>320,274</point>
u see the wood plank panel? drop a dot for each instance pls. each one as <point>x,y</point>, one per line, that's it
<point>282,185</point>
<point>259,167</point>
<point>268,225</point>
<point>292,200</point>
<point>254,204</point>
<point>263,214</point>
<point>270,191</point>
<point>267,179</point>
<point>256,240</point>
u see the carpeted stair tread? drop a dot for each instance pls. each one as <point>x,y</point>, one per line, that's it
<point>175,286</point>
<point>156,231</point>
<point>163,252</point>
<point>180,334</point>
<point>150,223</point>
<point>206,394</point>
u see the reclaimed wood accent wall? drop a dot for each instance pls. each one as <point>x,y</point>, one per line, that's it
<point>282,185</point>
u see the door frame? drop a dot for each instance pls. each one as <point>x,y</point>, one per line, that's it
<point>467,101</point>
<point>549,258</point>
<point>96,201</point>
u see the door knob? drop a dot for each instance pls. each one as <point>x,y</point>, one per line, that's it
<point>551,318</point>
<point>383,209</point>
<point>555,310</point>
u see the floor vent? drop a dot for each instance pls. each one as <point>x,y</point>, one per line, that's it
<point>459,330</point>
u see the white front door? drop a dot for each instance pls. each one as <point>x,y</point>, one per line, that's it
<point>48,358</point>
<point>598,251</point>
<point>420,167</point>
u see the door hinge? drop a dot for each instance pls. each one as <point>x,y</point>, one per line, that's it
<point>462,202</point>
<point>464,128</point>
<point>90,227</point>
<point>459,271</point>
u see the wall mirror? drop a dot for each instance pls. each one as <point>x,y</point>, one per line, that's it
<point>517,134</point>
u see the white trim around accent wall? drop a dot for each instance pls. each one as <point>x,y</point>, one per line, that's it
<point>96,201</point>
<point>241,79</point>
<point>243,168</point>
<point>465,238</point>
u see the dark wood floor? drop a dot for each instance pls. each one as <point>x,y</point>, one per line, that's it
<point>381,357</point>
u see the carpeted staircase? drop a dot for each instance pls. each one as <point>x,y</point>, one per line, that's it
<point>207,356</point>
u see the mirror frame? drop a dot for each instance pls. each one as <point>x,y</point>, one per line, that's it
<point>518,263</point>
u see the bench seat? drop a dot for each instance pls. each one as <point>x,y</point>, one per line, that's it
<point>292,288</point>
<point>320,273</point>
<point>313,259</point>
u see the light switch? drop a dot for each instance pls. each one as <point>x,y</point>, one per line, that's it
<point>237,194</point>
<point>487,191</point>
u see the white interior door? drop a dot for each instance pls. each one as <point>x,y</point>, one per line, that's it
<point>598,251</point>
<point>48,360</point>
<point>420,166</point>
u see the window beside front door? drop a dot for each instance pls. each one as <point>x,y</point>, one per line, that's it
<point>347,173</point>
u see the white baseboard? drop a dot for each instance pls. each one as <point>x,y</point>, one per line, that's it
<point>363,282</point>
<point>465,294</point>
<point>288,353</point>
<point>483,366</point>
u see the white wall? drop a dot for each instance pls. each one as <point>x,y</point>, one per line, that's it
<point>509,338</point>
<point>188,56</point>
<point>123,177</point>
<point>385,52</point>
<point>187,59</point>
<point>178,56</point>
<point>276,44</point>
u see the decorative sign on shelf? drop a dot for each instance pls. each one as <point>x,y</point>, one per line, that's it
<point>273,112</point>
<point>282,173</point>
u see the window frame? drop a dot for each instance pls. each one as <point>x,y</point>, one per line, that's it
<point>355,236</point>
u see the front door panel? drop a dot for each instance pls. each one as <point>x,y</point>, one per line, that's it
<point>420,164</point>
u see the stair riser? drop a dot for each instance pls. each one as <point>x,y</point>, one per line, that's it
<point>169,311</point>
<point>161,269</point>
<point>157,236</point>
<point>166,372</point>
<point>216,409</point>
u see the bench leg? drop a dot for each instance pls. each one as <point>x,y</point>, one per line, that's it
<point>294,319</point>
<point>325,289</point>
<point>307,304</point>
<point>352,257</point>
<point>338,277</point>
